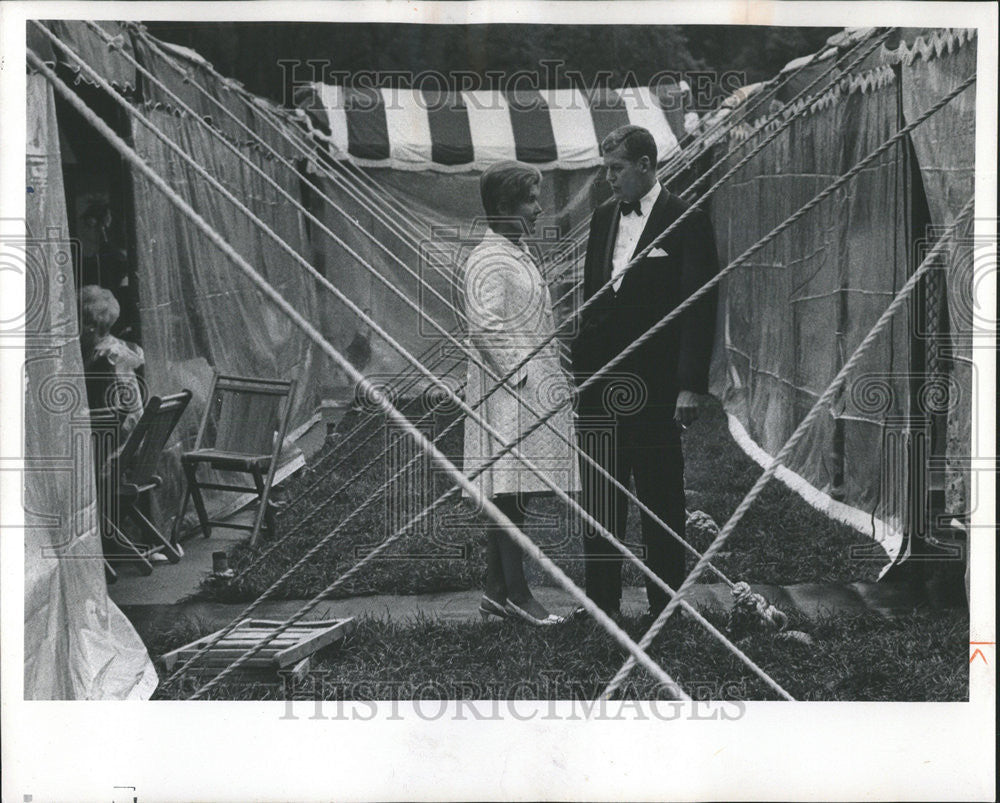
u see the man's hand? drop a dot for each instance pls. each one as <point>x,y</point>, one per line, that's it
<point>686,410</point>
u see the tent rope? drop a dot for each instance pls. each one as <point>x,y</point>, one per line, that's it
<point>563,496</point>
<point>413,243</point>
<point>578,229</point>
<point>545,420</point>
<point>683,217</point>
<point>129,155</point>
<point>802,93</point>
<point>764,241</point>
<point>690,300</point>
<point>411,239</point>
<point>733,120</point>
<point>929,263</point>
<point>264,111</point>
<point>787,122</point>
<point>470,353</point>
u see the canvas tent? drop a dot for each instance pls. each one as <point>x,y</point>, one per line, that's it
<point>789,320</point>
<point>77,643</point>
<point>392,179</point>
<point>197,314</point>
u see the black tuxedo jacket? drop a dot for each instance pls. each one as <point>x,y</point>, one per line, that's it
<point>678,357</point>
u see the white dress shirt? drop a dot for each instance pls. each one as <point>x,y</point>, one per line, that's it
<point>629,231</point>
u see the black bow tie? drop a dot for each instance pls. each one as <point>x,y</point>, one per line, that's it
<point>625,208</point>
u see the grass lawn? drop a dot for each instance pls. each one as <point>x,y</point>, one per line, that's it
<point>781,540</point>
<point>921,657</point>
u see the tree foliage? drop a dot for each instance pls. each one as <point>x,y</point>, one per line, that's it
<point>589,55</point>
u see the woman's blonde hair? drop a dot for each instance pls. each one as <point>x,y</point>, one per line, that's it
<point>99,308</point>
<point>506,184</point>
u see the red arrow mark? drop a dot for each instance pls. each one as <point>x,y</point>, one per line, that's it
<point>979,652</point>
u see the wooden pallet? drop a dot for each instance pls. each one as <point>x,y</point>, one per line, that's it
<point>292,650</point>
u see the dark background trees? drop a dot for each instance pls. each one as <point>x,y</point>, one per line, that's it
<point>251,51</point>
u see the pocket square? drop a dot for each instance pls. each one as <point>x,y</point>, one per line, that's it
<point>657,252</point>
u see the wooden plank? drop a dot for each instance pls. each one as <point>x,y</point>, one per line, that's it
<point>260,635</point>
<point>253,632</point>
<point>182,654</point>
<point>302,623</point>
<point>238,642</point>
<point>172,657</point>
<point>231,655</point>
<point>301,669</point>
<point>267,666</point>
<point>293,646</point>
<point>229,659</point>
<point>315,643</point>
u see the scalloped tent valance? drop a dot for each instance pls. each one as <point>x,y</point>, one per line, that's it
<point>876,71</point>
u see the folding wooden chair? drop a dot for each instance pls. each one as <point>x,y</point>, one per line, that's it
<point>129,476</point>
<point>242,431</point>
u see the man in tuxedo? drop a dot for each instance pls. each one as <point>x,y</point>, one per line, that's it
<point>631,421</point>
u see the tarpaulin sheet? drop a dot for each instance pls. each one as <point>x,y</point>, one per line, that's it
<point>793,315</point>
<point>790,318</point>
<point>945,144</point>
<point>77,643</point>
<point>198,310</point>
<point>445,214</point>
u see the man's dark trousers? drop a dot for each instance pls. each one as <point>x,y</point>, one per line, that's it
<point>648,451</point>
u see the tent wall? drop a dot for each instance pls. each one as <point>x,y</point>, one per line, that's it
<point>198,310</point>
<point>77,644</point>
<point>792,316</point>
<point>944,146</point>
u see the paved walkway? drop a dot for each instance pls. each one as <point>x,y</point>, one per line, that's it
<point>160,599</point>
<point>811,599</point>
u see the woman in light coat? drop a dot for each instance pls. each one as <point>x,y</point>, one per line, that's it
<point>509,313</point>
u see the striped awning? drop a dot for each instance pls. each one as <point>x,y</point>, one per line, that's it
<point>413,129</point>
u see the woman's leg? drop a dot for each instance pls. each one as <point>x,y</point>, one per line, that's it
<point>512,557</point>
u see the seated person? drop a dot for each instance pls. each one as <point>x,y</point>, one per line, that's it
<point>112,367</point>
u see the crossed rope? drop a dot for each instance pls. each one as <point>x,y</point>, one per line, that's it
<point>637,654</point>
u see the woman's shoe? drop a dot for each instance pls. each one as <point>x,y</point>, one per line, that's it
<point>488,608</point>
<point>514,610</point>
